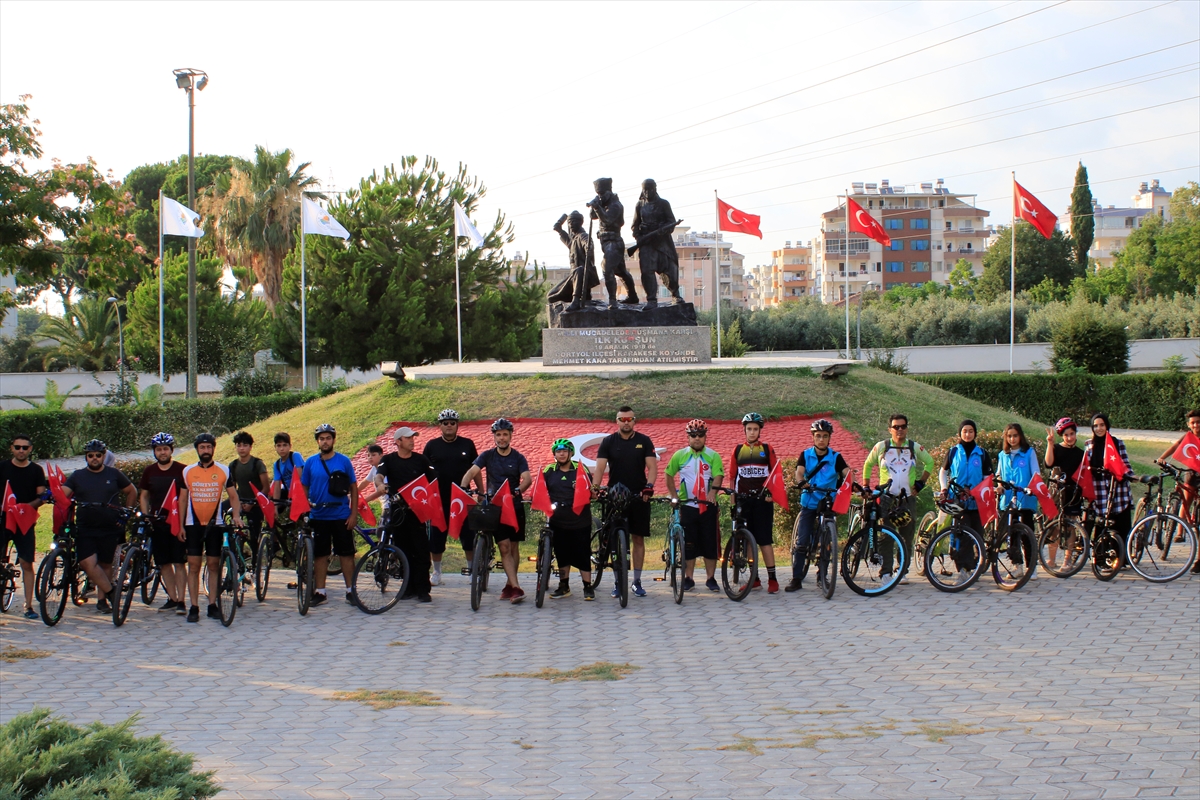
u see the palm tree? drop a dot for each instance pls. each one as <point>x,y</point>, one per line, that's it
<point>257,215</point>
<point>86,334</point>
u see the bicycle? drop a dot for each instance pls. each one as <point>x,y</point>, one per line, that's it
<point>673,554</point>
<point>366,534</point>
<point>59,575</point>
<point>484,518</point>
<point>1012,566</point>
<point>8,579</point>
<point>233,574</point>
<point>1161,545</point>
<point>137,570</point>
<point>739,560</point>
<point>381,576</point>
<point>824,550</point>
<point>1108,551</point>
<point>874,560</point>
<point>610,541</point>
<point>1064,545</point>
<point>544,566</point>
<point>960,553</point>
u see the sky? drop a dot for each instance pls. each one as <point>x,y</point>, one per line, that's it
<point>776,106</point>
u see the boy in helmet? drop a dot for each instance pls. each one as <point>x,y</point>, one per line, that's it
<point>169,551</point>
<point>572,532</point>
<point>820,471</point>
<point>700,473</point>
<point>751,463</point>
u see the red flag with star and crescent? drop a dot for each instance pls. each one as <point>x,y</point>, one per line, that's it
<point>62,504</point>
<point>1038,488</point>
<point>170,506</point>
<point>736,221</point>
<point>364,511</point>
<point>864,223</point>
<point>267,507</point>
<point>1188,452</point>
<point>775,486</point>
<point>459,501</point>
<point>1083,479</point>
<point>416,494</point>
<point>508,511</point>
<point>583,490</point>
<point>1112,458</point>
<point>17,516</point>
<point>437,517</point>
<point>984,493</point>
<point>841,500</point>
<point>299,497</point>
<point>541,495</point>
<point>1030,209</point>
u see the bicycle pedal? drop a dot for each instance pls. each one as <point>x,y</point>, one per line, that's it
<point>659,580</point>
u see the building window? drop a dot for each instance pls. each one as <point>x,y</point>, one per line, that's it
<point>879,266</point>
<point>698,291</point>
<point>895,266</point>
<point>699,273</point>
<point>920,244</point>
<point>897,244</point>
<point>949,226</point>
<point>968,247</point>
<point>1129,222</point>
<point>920,266</point>
<point>893,224</point>
<point>920,224</point>
<point>938,266</point>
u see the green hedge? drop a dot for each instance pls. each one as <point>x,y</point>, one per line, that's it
<point>62,433</point>
<point>1154,401</point>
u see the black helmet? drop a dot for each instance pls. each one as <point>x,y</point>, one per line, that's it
<point>501,425</point>
<point>324,427</point>
<point>203,438</point>
<point>821,425</point>
<point>95,446</point>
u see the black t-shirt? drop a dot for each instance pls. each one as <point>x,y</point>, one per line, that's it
<point>97,487</point>
<point>245,476</point>
<point>399,472</point>
<point>451,460</point>
<point>627,459</point>
<point>502,468</point>
<point>1068,459</point>
<point>158,482</point>
<point>23,480</point>
<point>560,485</point>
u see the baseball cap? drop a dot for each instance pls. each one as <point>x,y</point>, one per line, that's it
<point>404,432</point>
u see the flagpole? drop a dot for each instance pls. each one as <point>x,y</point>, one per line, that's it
<point>457,292</point>
<point>162,382</point>
<point>847,272</point>
<point>1012,287</point>
<point>303,308</point>
<point>717,264</point>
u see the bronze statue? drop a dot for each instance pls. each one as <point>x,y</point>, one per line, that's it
<point>653,223</point>
<point>607,208</point>
<point>578,286</point>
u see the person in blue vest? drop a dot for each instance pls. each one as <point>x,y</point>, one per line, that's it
<point>1017,464</point>
<point>966,463</point>
<point>821,470</point>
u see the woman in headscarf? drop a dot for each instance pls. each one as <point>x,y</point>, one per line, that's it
<point>1104,480</point>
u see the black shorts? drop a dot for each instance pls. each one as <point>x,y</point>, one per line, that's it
<point>26,543</point>
<point>203,540</point>
<point>638,516</point>
<point>99,543</point>
<point>699,533</point>
<point>331,536</point>
<point>506,533</point>
<point>573,547</point>
<point>166,548</point>
<point>760,521</point>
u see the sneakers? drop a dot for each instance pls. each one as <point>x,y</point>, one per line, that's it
<point>518,594</point>
<point>31,614</point>
<point>1033,575</point>
<point>616,592</point>
<point>688,584</point>
<point>465,571</point>
<point>563,590</point>
<point>506,593</point>
<point>793,586</point>
<point>757,584</point>
<point>711,583</point>
<point>638,591</point>
<point>435,578</point>
<point>772,586</point>
<point>904,580</point>
<point>318,599</point>
<point>349,598</point>
<point>215,613</point>
<point>424,598</point>
<point>167,606</point>
<point>194,614</point>
<point>181,608</point>
<point>589,593</point>
<point>104,605</point>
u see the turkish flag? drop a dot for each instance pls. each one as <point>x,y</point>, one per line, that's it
<point>1030,209</point>
<point>416,494</point>
<point>737,221</point>
<point>437,517</point>
<point>1037,487</point>
<point>862,222</point>
<point>1112,458</point>
<point>699,493</point>
<point>841,500</point>
<point>170,505</point>
<point>459,500</point>
<point>984,493</point>
<point>508,511</point>
<point>62,505</point>
<point>268,508</point>
<point>365,512</point>
<point>299,497</point>
<point>776,488</point>
<point>583,490</point>
<point>17,516</point>
<point>1083,479</point>
<point>1188,452</point>
<point>541,495</point>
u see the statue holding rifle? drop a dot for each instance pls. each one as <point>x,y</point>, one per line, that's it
<point>607,208</point>
<point>653,223</point>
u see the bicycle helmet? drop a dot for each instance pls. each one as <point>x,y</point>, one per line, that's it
<point>204,438</point>
<point>563,444</point>
<point>162,439</point>
<point>697,427</point>
<point>447,415</point>
<point>324,427</point>
<point>501,425</point>
<point>1063,424</point>
<point>822,426</point>
<point>754,417</point>
<point>900,517</point>
<point>95,446</point>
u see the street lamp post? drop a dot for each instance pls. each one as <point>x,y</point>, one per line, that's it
<point>120,345</point>
<point>185,78</point>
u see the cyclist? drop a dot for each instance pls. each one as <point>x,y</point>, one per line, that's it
<point>170,552</point>
<point>249,475</point>
<point>27,481</point>
<point>1189,486</point>
<point>750,465</point>
<point>631,461</point>
<point>97,528</point>
<point>395,471</point>
<point>1122,501</point>
<point>572,532</point>
<point>451,455</point>
<point>504,464</point>
<point>328,479</point>
<point>286,461</point>
<point>821,471</point>
<point>700,472</point>
<point>900,460</point>
<point>204,481</point>
<point>1066,457</point>
<point>966,463</point>
<point>1017,464</point>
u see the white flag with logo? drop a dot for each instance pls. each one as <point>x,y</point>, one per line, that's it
<point>178,219</point>
<point>317,220</point>
<point>463,226</point>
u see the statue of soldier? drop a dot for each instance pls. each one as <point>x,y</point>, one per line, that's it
<point>607,208</point>
<point>653,223</point>
<point>578,286</point>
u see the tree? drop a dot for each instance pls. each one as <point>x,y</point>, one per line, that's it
<point>1083,220</point>
<point>962,280</point>
<point>1179,244</point>
<point>388,293</point>
<point>1038,258</point>
<point>87,335</point>
<point>1090,337</point>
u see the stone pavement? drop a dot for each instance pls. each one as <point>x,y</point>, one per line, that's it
<point>1066,689</point>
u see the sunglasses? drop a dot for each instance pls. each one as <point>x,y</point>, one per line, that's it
<point>899,427</point>
<point>448,422</point>
<point>95,455</point>
<point>22,447</point>
<point>625,419</point>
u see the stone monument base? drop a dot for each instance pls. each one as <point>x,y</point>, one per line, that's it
<point>598,315</point>
<point>682,344</point>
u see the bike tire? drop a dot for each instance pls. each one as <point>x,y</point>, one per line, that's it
<point>1139,510</point>
<point>304,575</point>
<point>1107,556</point>
<point>942,557</point>
<point>262,565</point>
<point>737,565</point>
<point>621,565</point>
<point>151,585</point>
<point>8,591</point>
<point>827,563</point>
<point>924,532</point>
<point>1165,562</point>
<point>480,569</point>
<point>227,586</point>
<point>545,564</point>
<point>862,564</point>
<point>1059,534</point>
<point>600,556</point>
<point>53,587</point>
<point>127,584</point>
<point>335,565</point>
<point>677,563</point>
<point>1008,572</point>
<point>380,578</point>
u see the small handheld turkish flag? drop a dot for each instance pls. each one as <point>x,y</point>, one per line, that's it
<point>299,497</point>
<point>1083,479</point>
<point>62,505</point>
<point>416,494</point>
<point>776,488</point>
<point>737,221</point>
<point>170,506</point>
<point>1038,488</point>
<point>1188,452</point>
<point>1030,209</point>
<point>437,516</point>
<point>1112,458</point>
<point>984,493</point>
<point>508,511</point>
<point>267,507</point>
<point>459,500</point>
<point>17,516</point>
<point>541,495</point>
<point>864,223</point>
<point>364,511</point>
<point>583,490</point>
<point>841,500</point>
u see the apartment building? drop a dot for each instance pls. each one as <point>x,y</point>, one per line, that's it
<point>1113,225</point>
<point>931,228</point>
<point>789,276</point>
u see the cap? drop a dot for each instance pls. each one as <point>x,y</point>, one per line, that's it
<point>404,432</point>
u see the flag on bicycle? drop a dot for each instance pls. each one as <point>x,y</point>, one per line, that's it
<point>508,510</point>
<point>541,495</point>
<point>62,504</point>
<point>984,493</point>
<point>1083,479</point>
<point>1038,488</point>
<point>841,500</point>
<point>459,500</point>
<point>364,511</point>
<point>268,508</point>
<point>583,490</point>
<point>775,486</point>
<point>170,505</point>
<point>437,516</point>
<point>416,494</point>
<point>1112,458</point>
<point>299,497</point>
<point>1188,452</point>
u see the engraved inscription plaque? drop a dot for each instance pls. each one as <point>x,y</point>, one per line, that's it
<point>649,345</point>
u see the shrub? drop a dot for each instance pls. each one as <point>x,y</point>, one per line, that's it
<point>134,467</point>
<point>252,383</point>
<point>1087,336</point>
<point>326,388</point>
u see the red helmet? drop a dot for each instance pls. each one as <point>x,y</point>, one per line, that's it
<point>697,427</point>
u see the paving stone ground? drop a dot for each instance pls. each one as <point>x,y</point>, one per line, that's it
<point>1066,689</point>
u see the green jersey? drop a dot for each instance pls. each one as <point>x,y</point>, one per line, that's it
<point>695,472</point>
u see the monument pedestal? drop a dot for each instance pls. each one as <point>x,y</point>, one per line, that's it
<point>682,344</point>
<point>598,315</point>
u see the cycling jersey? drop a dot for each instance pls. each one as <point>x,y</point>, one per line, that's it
<point>205,486</point>
<point>823,473</point>
<point>695,471</point>
<point>751,464</point>
<point>1018,467</point>
<point>902,464</point>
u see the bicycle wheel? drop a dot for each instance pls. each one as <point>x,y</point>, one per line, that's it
<point>335,565</point>
<point>863,561</point>
<point>150,585</point>
<point>132,575</point>
<point>737,565</point>
<point>924,532</point>
<point>545,564</point>
<point>1155,551</point>
<point>480,567</point>
<point>600,555</point>
<point>262,565</point>
<point>8,590</point>
<point>53,587</point>
<point>954,559</point>
<point>676,566</point>
<point>621,565</point>
<point>380,578</point>
<point>1063,547</point>
<point>304,575</point>
<point>827,560</point>
<point>1107,555</point>
<point>227,586</point>
<point>1139,510</point>
<point>1013,565</point>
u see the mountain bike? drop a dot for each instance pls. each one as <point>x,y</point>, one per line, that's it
<point>952,557</point>
<point>1161,545</point>
<point>739,560</point>
<point>1108,551</point>
<point>136,571</point>
<point>610,540</point>
<point>823,549</point>
<point>874,560</point>
<point>544,566</point>
<point>233,571</point>
<point>59,575</point>
<point>1011,546</point>
<point>9,570</point>
<point>673,553</point>
<point>381,575</point>
<point>1063,545</point>
<point>484,518</point>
